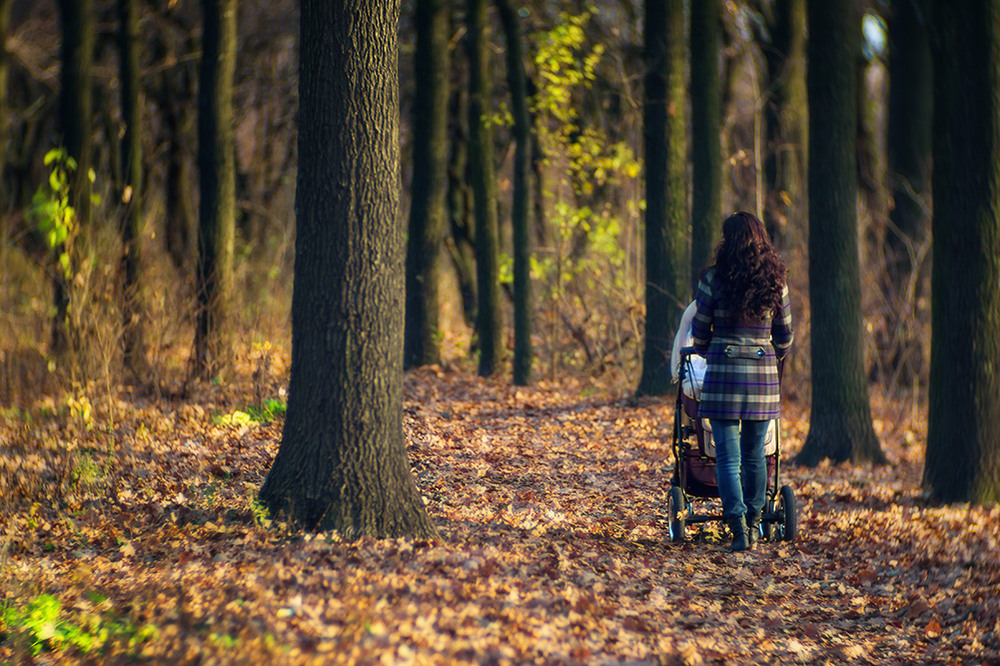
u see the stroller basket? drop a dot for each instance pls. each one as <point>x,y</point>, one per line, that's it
<point>699,454</point>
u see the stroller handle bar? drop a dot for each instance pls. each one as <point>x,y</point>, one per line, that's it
<point>689,351</point>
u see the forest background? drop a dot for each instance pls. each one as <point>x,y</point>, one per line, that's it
<point>587,266</point>
<point>78,304</point>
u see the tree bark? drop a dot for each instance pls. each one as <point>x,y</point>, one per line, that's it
<point>909,149</point>
<point>428,212</point>
<point>963,439</point>
<point>520,208</point>
<point>133,312</point>
<point>840,423</point>
<point>668,261</point>
<point>706,119</point>
<point>786,122</point>
<point>489,317</point>
<point>342,463</point>
<point>217,176</point>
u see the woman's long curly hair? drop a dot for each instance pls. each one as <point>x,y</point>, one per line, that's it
<point>748,271</point>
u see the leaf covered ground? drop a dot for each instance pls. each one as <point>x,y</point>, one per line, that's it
<point>130,534</point>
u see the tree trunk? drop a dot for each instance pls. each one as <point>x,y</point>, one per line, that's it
<point>706,118</point>
<point>181,213</point>
<point>963,440</point>
<point>786,122</point>
<point>909,129</point>
<point>668,262</point>
<point>180,216</point>
<point>428,211</point>
<point>342,462</point>
<point>75,112</point>
<point>841,423</point>
<point>520,209</point>
<point>6,196</point>
<point>181,209</point>
<point>489,317</point>
<point>462,240</point>
<point>217,175</point>
<point>133,313</point>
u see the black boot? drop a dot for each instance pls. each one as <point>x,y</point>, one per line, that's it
<point>738,526</point>
<point>753,529</point>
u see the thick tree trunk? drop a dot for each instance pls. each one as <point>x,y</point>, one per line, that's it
<point>909,130</point>
<point>489,316</point>
<point>428,212</point>
<point>133,313</point>
<point>706,118</point>
<point>520,209</point>
<point>217,175</point>
<point>786,124</point>
<point>668,262</point>
<point>75,113</point>
<point>963,438</point>
<point>342,463</point>
<point>841,423</point>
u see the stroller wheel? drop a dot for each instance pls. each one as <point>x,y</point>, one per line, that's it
<point>677,508</point>
<point>789,527</point>
<point>767,524</point>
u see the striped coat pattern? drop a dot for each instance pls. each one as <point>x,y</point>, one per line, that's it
<point>741,381</point>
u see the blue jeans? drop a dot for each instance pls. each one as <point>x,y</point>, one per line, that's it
<point>739,449</point>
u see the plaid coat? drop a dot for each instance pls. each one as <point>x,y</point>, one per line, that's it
<point>742,377</point>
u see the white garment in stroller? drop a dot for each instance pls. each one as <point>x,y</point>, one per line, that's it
<point>694,379</point>
<point>695,376</point>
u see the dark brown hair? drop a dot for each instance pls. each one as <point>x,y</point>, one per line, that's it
<point>748,271</point>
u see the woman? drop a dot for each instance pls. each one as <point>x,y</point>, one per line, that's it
<point>743,327</point>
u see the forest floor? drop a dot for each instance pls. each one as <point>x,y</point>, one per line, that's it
<point>130,534</point>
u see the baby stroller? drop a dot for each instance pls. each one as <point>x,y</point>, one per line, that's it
<point>694,452</point>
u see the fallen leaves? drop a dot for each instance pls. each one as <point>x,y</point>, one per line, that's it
<point>551,501</point>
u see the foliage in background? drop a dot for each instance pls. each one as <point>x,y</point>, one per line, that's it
<point>51,213</point>
<point>585,65</point>
<point>586,265</point>
<point>39,239</point>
